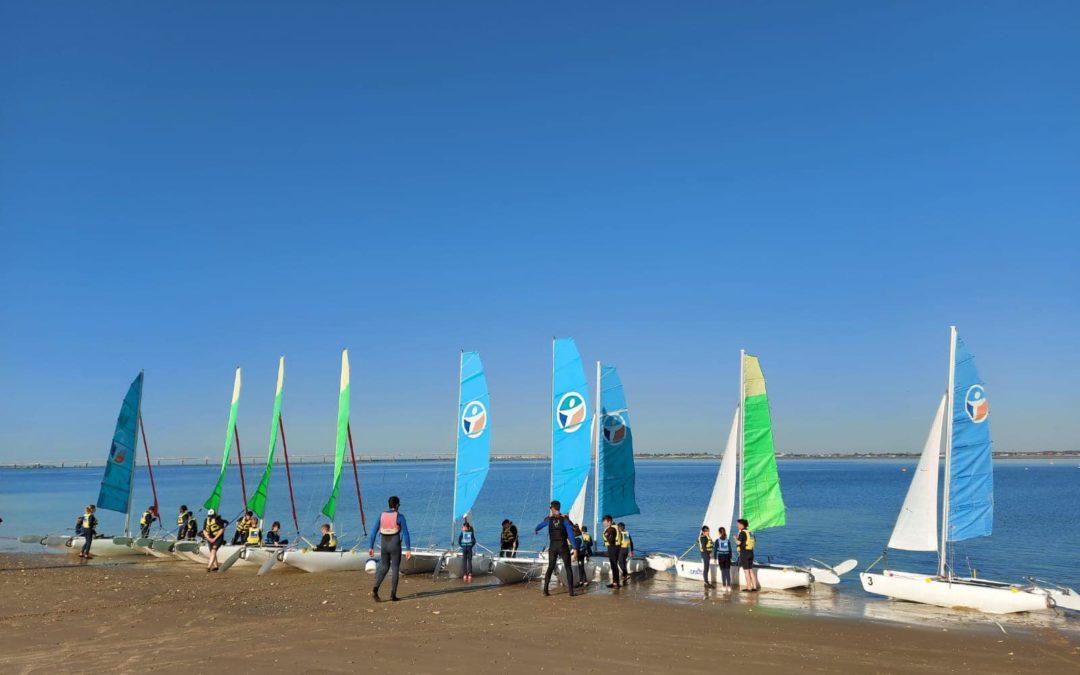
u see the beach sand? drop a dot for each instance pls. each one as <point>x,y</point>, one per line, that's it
<point>161,616</point>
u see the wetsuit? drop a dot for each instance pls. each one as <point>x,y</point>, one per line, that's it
<point>586,540</point>
<point>274,539</point>
<point>182,525</point>
<point>723,560</point>
<point>508,542</point>
<point>394,532</point>
<point>467,540</point>
<point>191,529</point>
<point>145,522</point>
<point>626,548</point>
<point>560,539</point>
<point>611,541</point>
<point>327,543</point>
<point>705,546</point>
<point>89,523</point>
<point>579,546</point>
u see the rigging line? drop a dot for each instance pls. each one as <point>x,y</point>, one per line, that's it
<point>240,463</point>
<point>149,469</point>
<point>288,472</point>
<point>356,477</point>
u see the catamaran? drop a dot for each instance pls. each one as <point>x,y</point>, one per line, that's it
<point>962,425</point>
<point>748,473</point>
<point>117,483</point>
<point>570,454</point>
<point>344,560</point>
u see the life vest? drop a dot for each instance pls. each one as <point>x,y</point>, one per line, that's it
<point>253,536</point>
<point>86,522</point>
<point>333,541</point>
<point>611,537</point>
<point>556,529</point>
<point>388,523</point>
<point>211,528</point>
<point>586,538</point>
<point>624,539</point>
<point>243,525</point>
<point>183,517</point>
<point>704,544</point>
<point>749,545</point>
<point>508,536</point>
<point>191,529</point>
<point>723,546</point>
<point>467,538</point>
<point>147,518</point>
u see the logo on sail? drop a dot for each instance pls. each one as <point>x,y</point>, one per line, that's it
<point>570,413</point>
<point>614,429</point>
<point>474,419</point>
<point>976,405</point>
<point>118,454</point>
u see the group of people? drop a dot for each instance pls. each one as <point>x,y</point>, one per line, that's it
<point>570,542</point>
<point>720,549</point>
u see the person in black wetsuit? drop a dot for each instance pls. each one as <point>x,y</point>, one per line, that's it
<point>579,548</point>
<point>561,539</point>
<point>273,537</point>
<point>586,543</point>
<point>328,541</point>
<point>148,518</point>
<point>612,542</point>
<point>508,540</point>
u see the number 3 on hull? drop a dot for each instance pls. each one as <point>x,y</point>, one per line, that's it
<point>967,507</point>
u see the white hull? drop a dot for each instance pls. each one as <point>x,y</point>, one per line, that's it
<point>325,561</point>
<point>257,555</point>
<point>188,550</point>
<point>602,567</point>
<point>660,562</point>
<point>695,569</point>
<point>519,569</point>
<point>991,597</point>
<point>223,554</point>
<point>482,565</point>
<point>104,547</point>
<point>146,546</point>
<point>423,561</point>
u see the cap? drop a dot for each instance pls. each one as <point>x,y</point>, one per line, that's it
<point>211,512</point>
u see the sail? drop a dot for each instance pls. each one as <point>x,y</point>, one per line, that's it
<point>330,507</point>
<point>616,458</point>
<point>971,475</point>
<point>721,507</point>
<point>762,503</point>
<point>214,500</point>
<point>570,452</point>
<point>474,438</point>
<point>916,526</point>
<point>116,485</point>
<point>257,503</point>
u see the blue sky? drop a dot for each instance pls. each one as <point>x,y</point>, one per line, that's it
<point>190,188</point>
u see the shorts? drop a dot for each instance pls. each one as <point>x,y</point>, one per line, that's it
<point>746,560</point>
<point>217,544</point>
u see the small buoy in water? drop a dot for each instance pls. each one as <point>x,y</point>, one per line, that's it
<point>904,469</point>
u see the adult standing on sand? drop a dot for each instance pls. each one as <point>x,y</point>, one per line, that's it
<point>89,529</point>
<point>394,531</point>
<point>560,540</point>
<point>745,544</point>
<point>613,545</point>
<point>214,532</point>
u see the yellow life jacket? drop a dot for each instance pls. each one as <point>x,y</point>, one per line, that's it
<point>253,537</point>
<point>333,540</point>
<point>147,518</point>
<point>624,539</point>
<point>586,538</point>
<point>181,519</point>
<point>243,525</point>
<point>212,528</point>
<point>615,541</point>
<point>749,545</point>
<point>704,544</point>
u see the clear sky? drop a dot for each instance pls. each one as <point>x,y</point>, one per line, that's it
<point>189,187</point>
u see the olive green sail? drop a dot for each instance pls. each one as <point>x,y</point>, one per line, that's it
<point>330,508</point>
<point>762,503</point>
<point>257,503</point>
<point>214,500</point>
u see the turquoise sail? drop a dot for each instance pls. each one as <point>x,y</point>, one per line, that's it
<point>474,437</point>
<point>570,451</point>
<point>971,474</point>
<point>616,461</point>
<point>115,494</point>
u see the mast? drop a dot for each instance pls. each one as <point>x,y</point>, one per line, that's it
<point>554,412</point>
<point>949,394</point>
<point>739,439</point>
<point>240,463</point>
<point>134,457</point>
<point>288,474</point>
<point>149,468</point>
<point>597,431</point>
<point>457,447</point>
<point>356,477</point>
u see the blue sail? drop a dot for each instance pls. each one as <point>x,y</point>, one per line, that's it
<point>474,437</point>
<point>616,460</point>
<point>120,467</point>
<point>971,477</point>
<point>570,442</point>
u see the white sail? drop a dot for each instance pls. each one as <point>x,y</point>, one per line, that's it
<point>916,527</point>
<point>577,511</point>
<point>722,503</point>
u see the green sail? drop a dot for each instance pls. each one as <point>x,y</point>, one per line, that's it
<point>342,435</point>
<point>257,503</point>
<point>214,501</point>
<point>762,503</point>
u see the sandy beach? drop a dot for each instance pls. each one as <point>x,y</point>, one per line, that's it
<point>58,614</point>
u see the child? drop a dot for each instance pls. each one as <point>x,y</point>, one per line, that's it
<point>723,557</point>
<point>705,547</point>
<point>273,537</point>
<point>328,541</point>
<point>467,541</point>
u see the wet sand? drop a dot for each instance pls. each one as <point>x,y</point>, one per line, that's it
<point>161,616</point>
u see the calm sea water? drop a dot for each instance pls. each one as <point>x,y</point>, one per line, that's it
<point>837,509</point>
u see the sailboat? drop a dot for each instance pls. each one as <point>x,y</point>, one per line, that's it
<point>472,457</point>
<point>748,476</point>
<point>116,483</point>
<point>344,560</point>
<point>570,453</point>
<point>962,425</point>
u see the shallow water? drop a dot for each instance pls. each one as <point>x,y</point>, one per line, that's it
<point>837,509</point>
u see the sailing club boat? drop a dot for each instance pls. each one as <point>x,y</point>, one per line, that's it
<point>342,560</point>
<point>117,483</point>
<point>570,453</point>
<point>748,475</point>
<point>962,425</point>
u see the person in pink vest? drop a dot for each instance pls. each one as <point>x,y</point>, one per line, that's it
<point>394,532</point>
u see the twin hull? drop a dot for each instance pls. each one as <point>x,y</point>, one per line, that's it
<point>991,597</point>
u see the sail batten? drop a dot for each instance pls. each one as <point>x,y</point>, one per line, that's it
<point>615,470</point>
<point>214,500</point>
<point>330,508</point>
<point>762,502</point>
<point>971,471</point>
<point>917,525</point>
<point>116,483</point>
<point>257,503</point>
<point>570,422</point>
<point>473,434</point>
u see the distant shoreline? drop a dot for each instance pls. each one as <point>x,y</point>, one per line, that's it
<point>703,456</point>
